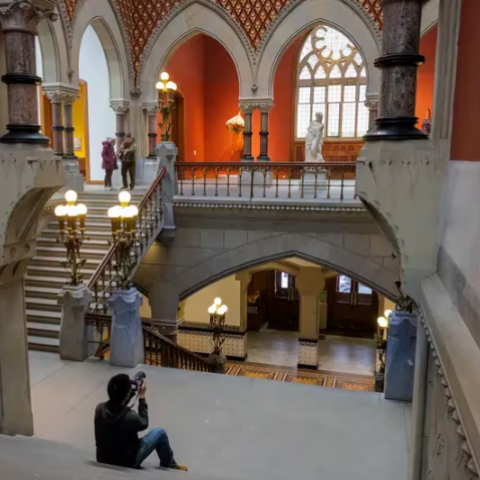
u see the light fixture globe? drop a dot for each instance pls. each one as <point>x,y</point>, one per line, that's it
<point>134,210</point>
<point>82,209</point>
<point>164,76</point>
<point>171,86</point>
<point>387,313</point>
<point>159,86</point>
<point>115,212</point>
<point>382,322</point>
<point>212,309</point>
<point>71,196</point>
<point>124,198</point>
<point>217,301</point>
<point>72,211</point>
<point>61,211</point>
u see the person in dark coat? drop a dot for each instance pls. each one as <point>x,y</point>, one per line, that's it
<point>109,161</point>
<point>129,161</point>
<point>117,427</point>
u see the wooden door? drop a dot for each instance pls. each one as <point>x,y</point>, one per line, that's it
<point>352,306</point>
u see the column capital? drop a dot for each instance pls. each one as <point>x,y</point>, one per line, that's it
<point>58,95</point>
<point>371,101</point>
<point>120,106</point>
<point>262,104</point>
<point>26,14</point>
<point>150,108</point>
<point>68,98</point>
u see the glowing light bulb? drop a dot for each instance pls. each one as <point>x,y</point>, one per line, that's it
<point>124,198</point>
<point>159,86</point>
<point>217,301</point>
<point>82,209</point>
<point>387,313</point>
<point>115,212</point>
<point>61,211</point>
<point>224,308</point>
<point>164,76</point>
<point>171,86</point>
<point>127,212</point>
<point>382,322</point>
<point>71,196</point>
<point>72,211</point>
<point>134,210</point>
<point>212,309</point>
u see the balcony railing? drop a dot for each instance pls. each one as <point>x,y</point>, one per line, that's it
<point>267,180</point>
<point>150,214</point>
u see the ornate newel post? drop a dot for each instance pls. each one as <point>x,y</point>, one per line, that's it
<point>73,177</point>
<point>19,21</point>
<point>151,112</point>
<point>56,97</point>
<point>29,175</point>
<point>247,109</point>
<point>398,64</point>
<point>264,131</point>
<point>120,108</point>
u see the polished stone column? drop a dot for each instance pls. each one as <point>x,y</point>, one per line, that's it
<point>151,112</point>
<point>19,20</point>
<point>56,99</point>
<point>264,108</point>
<point>120,108</point>
<point>68,100</point>
<point>247,109</point>
<point>398,64</point>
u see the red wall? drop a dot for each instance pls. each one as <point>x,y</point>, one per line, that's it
<point>283,114</point>
<point>426,75</point>
<point>186,69</point>
<point>221,94</point>
<point>465,145</point>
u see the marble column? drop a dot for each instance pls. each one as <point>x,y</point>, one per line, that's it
<point>398,64</point>
<point>310,283</point>
<point>19,20</point>
<point>244,278</point>
<point>120,108</point>
<point>264,108</point>
<point>151,112</point>
<point>73,177</point>
<point>56,99</point>
<point>247,109</point>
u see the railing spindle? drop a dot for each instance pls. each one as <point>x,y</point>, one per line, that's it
<point>228,181</point>
<point>342,184</point>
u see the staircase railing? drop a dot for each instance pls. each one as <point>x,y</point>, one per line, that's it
<point>150,217</point>
<point>160,351</point>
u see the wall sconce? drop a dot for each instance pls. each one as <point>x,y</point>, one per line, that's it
<point>166,99</point>
<point>123,220</point>
<point>217,313</point>
<point>71,221</point>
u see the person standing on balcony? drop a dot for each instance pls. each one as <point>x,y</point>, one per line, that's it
<point>109,161</point>
<point>129,161</point>
<point>117,427</point>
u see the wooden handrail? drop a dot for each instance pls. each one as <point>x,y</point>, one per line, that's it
<point>264,164</point>
<point>108,257</point>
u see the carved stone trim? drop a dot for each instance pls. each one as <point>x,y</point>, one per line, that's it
<point>250,104</point>
<point>61,96</point>
<point>25,14</point>
<point>120,106</point>
<point>68,98</point>
<point>150,109</point>
<point>451,405</point>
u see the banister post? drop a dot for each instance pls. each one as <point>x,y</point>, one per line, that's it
<point>167,154</point>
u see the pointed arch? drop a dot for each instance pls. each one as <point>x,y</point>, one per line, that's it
<point>195,18</point>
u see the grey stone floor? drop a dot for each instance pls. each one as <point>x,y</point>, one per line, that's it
<point>336,354</point>
<point>233,427</point>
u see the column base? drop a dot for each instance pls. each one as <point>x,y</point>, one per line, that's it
<point>263,158</point>
<point>247,158</point>
<point>396,128</point>
<point>24,134</point>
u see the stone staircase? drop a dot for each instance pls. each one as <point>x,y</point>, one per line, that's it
<point>45,275</point>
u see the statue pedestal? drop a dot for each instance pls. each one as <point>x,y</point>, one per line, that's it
<point>126,340</point>
<point>257,179</point>
<point>74,333</point>
<point>309,182</point>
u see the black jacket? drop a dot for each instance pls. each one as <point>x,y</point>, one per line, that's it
<point>116,432</point>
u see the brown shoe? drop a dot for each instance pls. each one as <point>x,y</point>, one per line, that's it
<point>176,466</point>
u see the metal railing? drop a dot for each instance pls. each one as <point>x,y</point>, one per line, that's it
<point>267,180</point>
<point>150,213</point>
<point>160,351</point>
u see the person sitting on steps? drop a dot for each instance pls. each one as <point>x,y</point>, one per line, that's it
<point>117,427</point>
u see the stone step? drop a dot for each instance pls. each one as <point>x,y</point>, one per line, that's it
<point>43,344</point>
<point>44,316</point>
<point>43,330</point>
<point>36,292</point>
<point>58,272</point>
<point>93,235</point>
<point>55,261</point>
<point>60,252</point>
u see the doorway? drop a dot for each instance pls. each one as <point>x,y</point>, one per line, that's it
<point>178,126</point>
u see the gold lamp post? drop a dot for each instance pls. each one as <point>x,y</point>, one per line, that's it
<point>71,220</point>
<point>217,313</point>
<point>123,218</point>
<point>166,100</point>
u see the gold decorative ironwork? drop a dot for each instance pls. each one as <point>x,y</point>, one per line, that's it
<point>166,100</point>
<point>217,313</point>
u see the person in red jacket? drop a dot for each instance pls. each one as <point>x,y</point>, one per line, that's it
<point>109,161</point>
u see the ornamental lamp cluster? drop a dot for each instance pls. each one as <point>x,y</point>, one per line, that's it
<point>123,217</point>
<point>166,99</point>
<point>383,321</point>
<point>217,313</point>
<point>217,308</point>
<point>71,221</point>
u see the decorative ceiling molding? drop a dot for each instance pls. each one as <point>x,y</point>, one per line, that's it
<point>374,9</point>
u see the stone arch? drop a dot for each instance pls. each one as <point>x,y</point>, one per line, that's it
<point>49,47</point>
<point>430,14</point>
<point>103,20</point>
<point>284,246</point>
<point>195,18</point>
<point>347,16</point>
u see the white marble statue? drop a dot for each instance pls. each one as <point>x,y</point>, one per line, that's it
<point>314,140</point>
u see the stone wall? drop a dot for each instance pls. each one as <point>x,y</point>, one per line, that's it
<point>213,243</point>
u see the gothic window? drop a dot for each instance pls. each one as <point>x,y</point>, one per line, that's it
<point>331,78</point>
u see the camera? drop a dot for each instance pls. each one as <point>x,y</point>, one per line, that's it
<point>137,380</point>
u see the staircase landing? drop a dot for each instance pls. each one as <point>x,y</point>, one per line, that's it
<point>234,427</point>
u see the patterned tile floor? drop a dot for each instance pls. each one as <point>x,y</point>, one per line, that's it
<point>364,383</point>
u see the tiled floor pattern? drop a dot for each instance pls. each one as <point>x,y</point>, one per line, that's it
<point>319,378</point>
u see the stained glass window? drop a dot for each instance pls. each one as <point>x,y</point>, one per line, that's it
<point>331,78</point>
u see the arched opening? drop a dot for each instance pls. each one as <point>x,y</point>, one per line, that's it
<point>290,313</point>
<point>322,70</point>
<point>94,120</point>
<point>207,80</point>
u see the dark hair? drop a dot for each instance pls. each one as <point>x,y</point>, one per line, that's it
<point>118,388</point>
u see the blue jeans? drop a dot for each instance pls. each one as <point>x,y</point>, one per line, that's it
<point>157,440</point>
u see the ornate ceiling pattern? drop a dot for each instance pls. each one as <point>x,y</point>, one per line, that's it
<point>374,9</point>
<point>70,7</point>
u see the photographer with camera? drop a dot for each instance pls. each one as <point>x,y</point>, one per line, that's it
<point>117,427</point>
